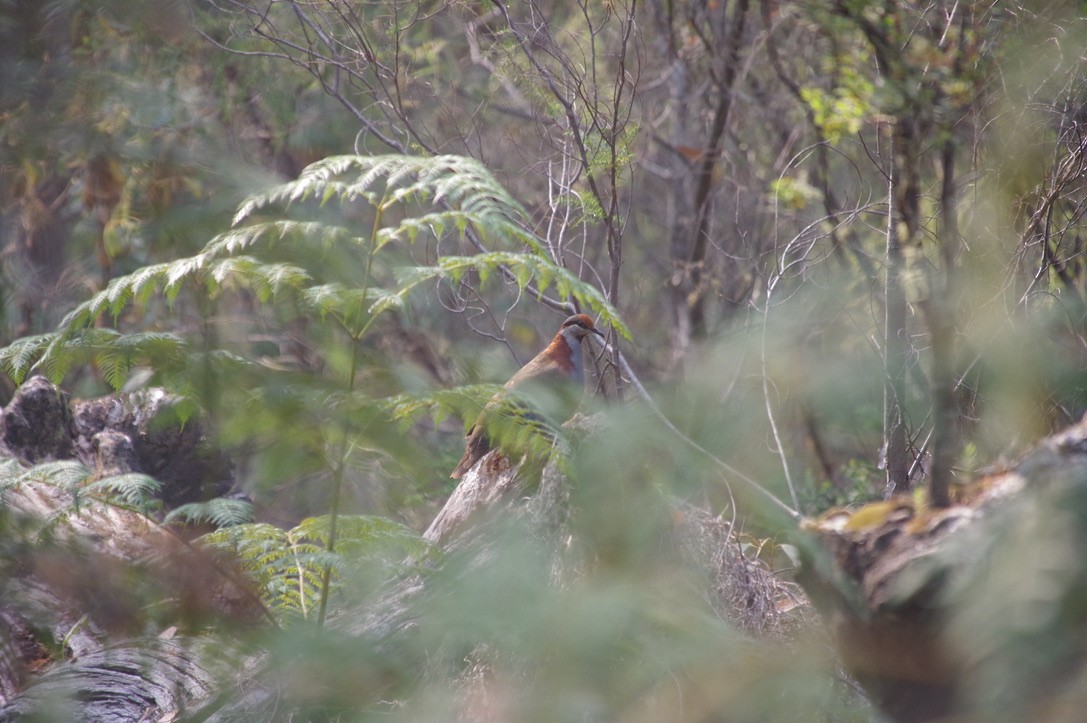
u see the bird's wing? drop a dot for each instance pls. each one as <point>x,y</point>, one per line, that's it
<point>538,371</point>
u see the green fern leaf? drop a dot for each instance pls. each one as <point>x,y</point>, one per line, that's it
<point>133,489</point>
<point>142,283</point>
<point>19,357</point>
<point>525,267</point>
<point>362,536</point>
<point>383,300</point>
<point>221,512</point>
<point>66,473</point>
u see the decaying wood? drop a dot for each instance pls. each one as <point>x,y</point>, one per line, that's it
<point>110,660</point>
<point>489,503</point>
<point>175,452</point>
<point>925,604</point>
<point>70,624</point>
<point>150,680</point>
<point>487,487</point>
<point>128,432</point>
<point>69,621</point>
<point>37,424</point>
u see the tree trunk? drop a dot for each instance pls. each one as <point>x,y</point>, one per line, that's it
<point>896,342</point>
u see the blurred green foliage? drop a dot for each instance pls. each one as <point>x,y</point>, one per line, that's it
<point>305,251</point>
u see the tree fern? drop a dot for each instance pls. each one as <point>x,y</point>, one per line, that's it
<point>287,566</point>
<point>273,255</point>
<point>469,197</point>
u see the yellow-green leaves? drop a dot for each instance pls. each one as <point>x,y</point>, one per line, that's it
<point>841,111</point>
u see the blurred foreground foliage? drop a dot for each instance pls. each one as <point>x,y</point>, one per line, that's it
<point>719,182</point>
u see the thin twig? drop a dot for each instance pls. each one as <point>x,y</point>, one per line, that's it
<point>769,496</point>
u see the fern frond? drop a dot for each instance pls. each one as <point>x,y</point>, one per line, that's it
<point>345,302</point>
<point>177,272</point>
<point>525,268</point>
<point>332,298</point>
<point>465,402</point>
<point>220,512</point>
<point>515,422</point>
<point>288,566</point>
<point>493,227</point>
<point>19,357</point>
<point>121,291</point>
<point>115,353</point>
<point>208,266</point>
<point>142,283</point>
<point>10,470</point>
<point>265,280</point>
<point>455,180</point>
<point>64,473</point>
<point>132,490</point>
<point>382,300</point>
<point>118,355</point>
<point>286,570</point>
<point>256,535</point>
<point>243,238</point>
<point>363,536</point>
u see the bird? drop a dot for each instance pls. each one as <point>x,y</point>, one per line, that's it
<point>561,361</point>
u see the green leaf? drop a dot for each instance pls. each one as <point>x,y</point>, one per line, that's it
<point>221,512</point>
<point>19,357</point>
<point>133,489</point>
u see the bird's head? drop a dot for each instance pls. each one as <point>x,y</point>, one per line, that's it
<point>579,326</point>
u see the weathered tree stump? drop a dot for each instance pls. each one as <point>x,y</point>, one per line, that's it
<point>129,432</point>
<point>969,612</point>
<point>148,680</point>
<point>176,452</point>
<point>73,631</point>
<point>37,423</point>
<point>497,501</point>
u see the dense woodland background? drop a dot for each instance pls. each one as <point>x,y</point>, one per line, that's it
<point>836,248</point>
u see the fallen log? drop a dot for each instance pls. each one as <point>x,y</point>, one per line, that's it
<point>969,612</point>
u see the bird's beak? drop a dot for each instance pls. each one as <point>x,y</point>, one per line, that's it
<point>598,333</point>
